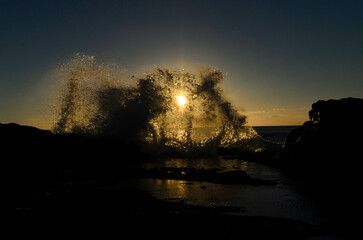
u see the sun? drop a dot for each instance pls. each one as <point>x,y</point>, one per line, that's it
<point>181,100</point>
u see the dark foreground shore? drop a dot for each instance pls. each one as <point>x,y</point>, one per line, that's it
<point>71,187</point>
<point>90,209</point>
<point>75,187</point>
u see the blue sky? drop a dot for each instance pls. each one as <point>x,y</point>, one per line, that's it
<point>279,56</point>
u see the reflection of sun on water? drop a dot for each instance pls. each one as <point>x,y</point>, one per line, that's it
<point>181,100</point>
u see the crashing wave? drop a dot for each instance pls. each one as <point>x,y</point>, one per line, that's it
<point>162,109</point>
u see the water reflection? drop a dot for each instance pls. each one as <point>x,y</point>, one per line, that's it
<point>280,200</point>
<point>209,163</point>
<point>253,169</point>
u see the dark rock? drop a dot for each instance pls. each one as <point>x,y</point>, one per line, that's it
<point>32,156</point>
<point>327,151</point>
<point>331,140</point>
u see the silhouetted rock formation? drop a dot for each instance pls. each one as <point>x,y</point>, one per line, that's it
<point>32,156</point>
<point>327,150</point>
<point>334,132</point>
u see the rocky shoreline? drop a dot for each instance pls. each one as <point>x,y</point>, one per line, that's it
<point>53,187</point>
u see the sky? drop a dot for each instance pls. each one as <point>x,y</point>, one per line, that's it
<point>278,57</point>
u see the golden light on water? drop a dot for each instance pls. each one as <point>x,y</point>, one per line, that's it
<point>181,100</point>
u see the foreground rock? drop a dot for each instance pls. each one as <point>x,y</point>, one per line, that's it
<point>34,156</point>
<point>327,153</point>
<point>331,140</point>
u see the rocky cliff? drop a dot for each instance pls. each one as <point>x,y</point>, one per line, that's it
<point>326,151</point>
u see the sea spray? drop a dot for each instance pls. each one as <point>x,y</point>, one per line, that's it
<point>96,101</point>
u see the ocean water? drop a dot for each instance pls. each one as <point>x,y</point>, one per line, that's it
<point>275,134</point>
<point>281,200</point>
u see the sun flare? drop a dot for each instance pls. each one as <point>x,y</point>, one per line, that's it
<point>181,100</point>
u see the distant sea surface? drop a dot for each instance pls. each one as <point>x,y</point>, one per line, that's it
<point>275,134</point>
